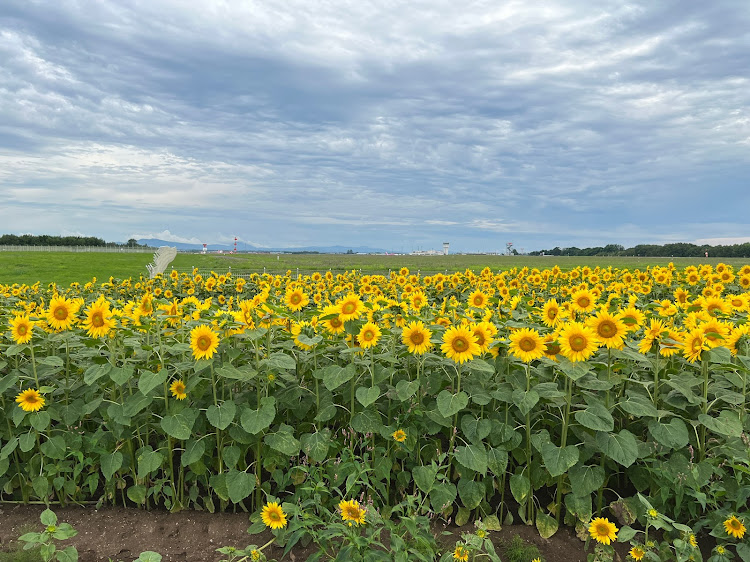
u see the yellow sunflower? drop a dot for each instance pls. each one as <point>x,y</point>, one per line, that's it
<point>60,314</point>
<point>273,516</point>
<point>694,344</point>
<point>350,307</point>
<point>461,553</point>
<point>304,328</point>
<point>459,344</point>
<point>637,553</point>
<point>399,435</point>
<point>21,329</point>
<point>734,527</point>
<point>296,299</point>
<point>551,313</point>
<point>603,530</point>
<point>483,332</point>
<point>203,342</point>
<point>368,335</point>
<point>178,389</point>
<point>526,344</point>
<point>416,338</point>
<point>577,342</point>
<point>478,299</point>
<point>30,400</point>
<point>609,330</point>
<point>582,300</point>
<point>98,321</point>
<point>352,512</point>
<point>334,324</point>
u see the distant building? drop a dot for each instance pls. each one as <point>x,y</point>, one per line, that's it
<point>446,246</point>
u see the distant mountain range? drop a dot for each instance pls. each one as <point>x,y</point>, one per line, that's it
<point>244,247</point>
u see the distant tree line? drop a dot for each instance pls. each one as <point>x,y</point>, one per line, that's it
<point>48,240</point>
<point>678,250</point>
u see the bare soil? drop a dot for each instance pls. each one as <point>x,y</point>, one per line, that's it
<point>121,534</point>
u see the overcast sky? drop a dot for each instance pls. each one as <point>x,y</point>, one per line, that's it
<point>392,124</point>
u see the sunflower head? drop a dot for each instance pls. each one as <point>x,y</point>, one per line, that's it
<point>734,527</point>
<point>30,400</point>
<point>273,516</point>
<point>602,530</point>
<point>352,512</point>
<point>178,389</point>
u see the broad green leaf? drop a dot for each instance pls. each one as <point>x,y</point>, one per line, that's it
<point>367,396</point>
<point>728,423</point>
<point>121,375</point>
<point>239,485</point>
<point>67,554</point>
<point>149,556</point>
<point>222,415</point>
<point>585,480</point>
<point>573,370</point>
<point>473,457</point>
<point>481,366</point>
<point>424,477</point>
<point>48,517</point>
<point>596,416</point>
<point>316,445</point>
<point>558,460</point>
<point>520,487</point>
<point>137,494</point>
<point>8,381</point>
<point>135,404</point>
<point>367,421</point>
<point>283,442</point>
<point>242,373</point>
<point>334,376</point>
<point>281,361</point>
<point>194,450</point>
<point>255,421</point>
<point>449,404</point>
<point>50,361</point>
<point>639,406</point>
<point>180,425</point>
<point>579,506</point>
<point>546,525</point>
<point>54,447</point>
<point>149,461</point>
<point>470,492</point>
<point>626,533</point>
<point>620,447</point>
<point>40,484</point>
<point>406,389</point>
<point>39,420</point>
<point>149,380</point>
<point>525,400</point>
<point>111,463</point>
<point>26,442</point>
<point>673,434</point>
<point>442,496</point>
<point>475,429</point>
<point>95,372</point>
<point>497,460</point>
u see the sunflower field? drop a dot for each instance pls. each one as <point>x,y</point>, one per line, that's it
<point>548,397</point>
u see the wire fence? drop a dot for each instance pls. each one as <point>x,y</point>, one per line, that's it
<point>82,249</point>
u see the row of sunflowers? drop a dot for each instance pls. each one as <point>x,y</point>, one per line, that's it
<point>544,396</point>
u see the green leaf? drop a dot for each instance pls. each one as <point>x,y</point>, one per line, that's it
<point>121,375</point>
<point>743,551</point>
<point>51,361</point>
<point>497,460</point>
<point>470,492</point>
<point>579,506</point>
<point>239,485</point>
<point>475,429</point>
<point>334,376</point>
<point>149,556</point>
<point>424,477</point>
<point>255,421</point>
<point>520,487</point>
<point>40,484</point>
<point>48,517</point>
<point>406,389</point>
<point>95,372</point>
<point>180,424</point>
<point>367,396</point>
<point>281,361</point>
<point>473,457</point>
<point>137,494</point>
<point>639,406</point>
<point>626,534</point>
<point>449,404</point>
<point>585,480</point>
<point>26,442</point>
<point>720,355</point>
<point>149,461</point>
<point>367,421</point>
<point>39,421</point>
<point>283,442</point>
<point>573,371</point>
<point>316,445</point>
<point>110,464</point>
<point>135,404</point>
<point>558,460</point>
<point>525,400</point>
<point>54,447</point>
<point>596,416</point>
<point>222,415</point>
<point>728,423</point>
<point>242,373</point>
<point>68,554</point>
<point>150,380</point>
<point>546,525</point>
<point>621,447</point>
<point>194,450</point>
<point>481,366</point>
<point>673,434</point>
<point>442,496</point>
<point>8,381</point>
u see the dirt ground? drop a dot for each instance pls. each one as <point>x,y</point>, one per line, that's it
<point>121,534</point>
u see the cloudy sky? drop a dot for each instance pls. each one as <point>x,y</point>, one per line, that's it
<point>386,123</point>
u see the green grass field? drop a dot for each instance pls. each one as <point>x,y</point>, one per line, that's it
<point>66,267</point>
